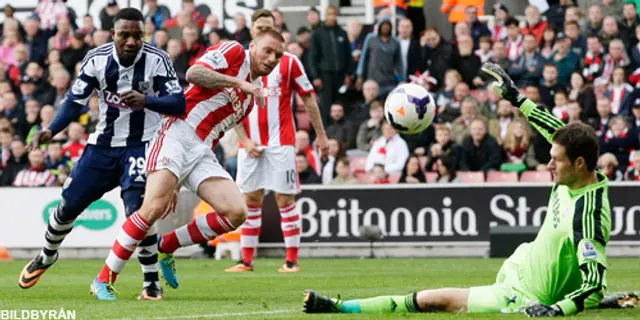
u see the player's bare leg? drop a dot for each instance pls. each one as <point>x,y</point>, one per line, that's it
<point>438,300</point>
<point>250,231</point>
<point>229,212</point>
<point>290,224</point>
<point>158,194</point>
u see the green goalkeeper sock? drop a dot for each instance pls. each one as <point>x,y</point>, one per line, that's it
<point>384,304</point>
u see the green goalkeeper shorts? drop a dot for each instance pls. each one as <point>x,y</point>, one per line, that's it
<point>501,297</point>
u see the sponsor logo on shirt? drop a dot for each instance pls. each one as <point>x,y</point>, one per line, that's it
<point>589,251</point>
<point>273,91</point>
<point>144,85</point>
<point>113,100</point>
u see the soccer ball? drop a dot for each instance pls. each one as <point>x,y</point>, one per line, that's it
<point>410,108</point>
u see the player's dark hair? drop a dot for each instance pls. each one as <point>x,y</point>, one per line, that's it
<point>579,140</point>
<point>262,13</point>
<point>549,65</point>
<point>131,14</point>
<point>631,3</point>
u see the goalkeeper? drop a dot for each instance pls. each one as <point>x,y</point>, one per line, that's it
<point>563,271</point>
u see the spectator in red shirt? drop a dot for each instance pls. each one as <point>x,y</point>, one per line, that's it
<point>535,25</point>
<point>379,175</point>
<point>189,8</point>
<point>192,49</point>
<point>37,174</point>
<point>303,145</point>
<point>76,144</point>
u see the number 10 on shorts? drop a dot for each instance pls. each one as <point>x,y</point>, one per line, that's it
<point>292,177</point>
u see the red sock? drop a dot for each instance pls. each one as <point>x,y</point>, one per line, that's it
<point>134,230</point>
<point>247,255</point>
<point>200,230</point>
<point>250,232</point>
<point>292,254</point>
<point>290,224</point>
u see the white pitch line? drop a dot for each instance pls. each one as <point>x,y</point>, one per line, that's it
<point>213,315</point>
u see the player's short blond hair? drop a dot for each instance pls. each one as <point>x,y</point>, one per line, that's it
<point>269,32</point>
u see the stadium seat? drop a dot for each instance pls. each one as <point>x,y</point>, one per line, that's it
<point>471,177</point>
<point>394,178</point>
<point>423,162</point>
<point>536,176</point>
<point>499,176</point>
<point>431,176</point>
<point>233,249</point>
<point>358,164</point>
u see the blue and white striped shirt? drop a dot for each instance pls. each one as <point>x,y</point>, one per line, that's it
<point>152,74</point>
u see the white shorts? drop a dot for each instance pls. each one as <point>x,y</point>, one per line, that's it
<point>178,148</point>
<point>274,170</point>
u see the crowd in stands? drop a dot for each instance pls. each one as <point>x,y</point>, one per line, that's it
<point>582,66</point>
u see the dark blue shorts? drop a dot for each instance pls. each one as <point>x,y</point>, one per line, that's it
<point>100,170</point>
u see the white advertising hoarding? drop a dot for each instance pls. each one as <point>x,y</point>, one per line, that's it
<point>25,212</point>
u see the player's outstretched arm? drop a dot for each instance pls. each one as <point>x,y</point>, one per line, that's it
<point>538,116</point>
<point>69,111</point>
<point>76,97</point>
<point>208,78</point>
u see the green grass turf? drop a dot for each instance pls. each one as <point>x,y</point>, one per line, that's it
<point>207,292</point>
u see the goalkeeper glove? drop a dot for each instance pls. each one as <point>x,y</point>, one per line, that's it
<point>503,85</point>
<point>541,310</point>
<point>620,301</point>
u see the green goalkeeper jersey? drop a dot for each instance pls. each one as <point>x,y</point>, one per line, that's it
<point>566,263</point>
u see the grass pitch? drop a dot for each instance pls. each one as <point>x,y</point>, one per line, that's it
<point>207,292</point>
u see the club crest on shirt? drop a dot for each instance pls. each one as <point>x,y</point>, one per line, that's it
<point>144,85</point>
<point>589,251</point>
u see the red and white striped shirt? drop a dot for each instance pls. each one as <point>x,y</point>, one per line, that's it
<point>498,32</point>
<point>514,48</point>
<point>211,112</point>
<point>273,125</point>
<point>50,11</point>
<point>35,177</point>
